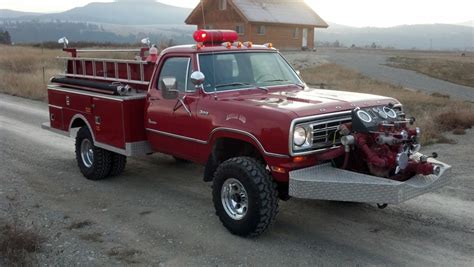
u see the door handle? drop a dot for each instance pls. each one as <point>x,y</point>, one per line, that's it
<point>153,98</point>
<point>152,121</point>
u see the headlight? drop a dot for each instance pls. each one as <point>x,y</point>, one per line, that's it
<point>299,136</point>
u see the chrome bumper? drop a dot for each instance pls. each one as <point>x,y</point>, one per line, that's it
<point>325,182</point>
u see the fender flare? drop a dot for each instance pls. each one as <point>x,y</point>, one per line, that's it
<point>84,119</point>
<point>244,136</point>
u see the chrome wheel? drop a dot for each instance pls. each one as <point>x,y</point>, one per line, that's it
<point>234,199</point>
<point>87,153</point>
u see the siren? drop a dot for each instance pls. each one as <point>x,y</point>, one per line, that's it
<point>215,36</point>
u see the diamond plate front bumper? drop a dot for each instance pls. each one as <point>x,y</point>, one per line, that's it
<point>325,182</point>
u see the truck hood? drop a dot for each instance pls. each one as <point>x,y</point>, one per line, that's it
<point>310,101</point>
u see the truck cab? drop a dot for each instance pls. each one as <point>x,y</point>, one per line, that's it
<point>241,110</point>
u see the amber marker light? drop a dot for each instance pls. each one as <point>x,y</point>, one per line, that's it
<point>299,159</point>
<point>248,44</point>
<point>269,45</point>
<point>278,169</point>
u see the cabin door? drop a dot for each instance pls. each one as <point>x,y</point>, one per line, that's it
<point>305,38</point>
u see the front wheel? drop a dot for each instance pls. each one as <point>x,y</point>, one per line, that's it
<point>245,196</point>
<point>95,163</point>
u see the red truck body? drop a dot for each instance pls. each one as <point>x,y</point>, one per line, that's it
<point>253,127</point>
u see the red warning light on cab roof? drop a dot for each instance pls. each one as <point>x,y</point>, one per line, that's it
<point>215,36</point>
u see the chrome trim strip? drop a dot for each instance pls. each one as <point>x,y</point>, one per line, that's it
<point>309,120</point>
<point>54,106</point>
<point>205,142</point>
<point>177,136</point>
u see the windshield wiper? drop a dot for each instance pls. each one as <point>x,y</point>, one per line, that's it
<point>241,83</point>
<point>276,80</point>
<point>302,86</point>
<point>231,84</point>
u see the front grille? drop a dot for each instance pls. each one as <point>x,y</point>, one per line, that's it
<point>325,132</point>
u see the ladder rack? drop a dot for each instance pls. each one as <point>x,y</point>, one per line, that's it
<point>118,70</point>
<point>133,72</point>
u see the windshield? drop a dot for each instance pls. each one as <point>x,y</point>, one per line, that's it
<point>243,70</point>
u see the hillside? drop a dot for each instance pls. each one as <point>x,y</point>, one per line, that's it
<point>11,14</point>
<point>423,36</point>
<point>122,12</point>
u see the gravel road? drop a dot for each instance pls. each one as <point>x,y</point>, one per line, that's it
<point>371,63</point>
<point>160,212</point>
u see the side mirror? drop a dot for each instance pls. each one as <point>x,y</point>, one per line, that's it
<point>63,41</point>
<point>197,78</point>
<point>169,87</point>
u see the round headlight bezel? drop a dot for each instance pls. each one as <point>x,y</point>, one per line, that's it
<point>300,136</point>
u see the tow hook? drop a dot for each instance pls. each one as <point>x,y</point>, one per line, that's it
<point>382,206</point>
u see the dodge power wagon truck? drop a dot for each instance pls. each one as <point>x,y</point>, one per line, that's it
<point>242,111</point>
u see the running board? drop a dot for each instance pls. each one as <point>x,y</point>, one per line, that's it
<point>325,182</point>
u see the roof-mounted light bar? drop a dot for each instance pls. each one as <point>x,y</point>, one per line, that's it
<point>215,36</point>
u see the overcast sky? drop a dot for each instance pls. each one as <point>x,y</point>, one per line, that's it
<point>358,13</point>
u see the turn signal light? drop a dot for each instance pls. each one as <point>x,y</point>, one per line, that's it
<point>278,169</point>
<point>248,44</point>
<point>299,159</point>
<point>269,45</point>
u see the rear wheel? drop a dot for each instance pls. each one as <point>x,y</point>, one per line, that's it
<point>245,196</point>
<point>95,163</point>
<point>118,164</point>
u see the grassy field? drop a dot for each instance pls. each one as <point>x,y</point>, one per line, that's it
<point>435,113</point>
<point>454,68</point>
<point>25,71</point>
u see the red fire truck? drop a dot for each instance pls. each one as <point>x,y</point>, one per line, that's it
<point>241,110</point>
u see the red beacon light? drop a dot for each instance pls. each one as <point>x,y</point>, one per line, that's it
<point>215,36</point>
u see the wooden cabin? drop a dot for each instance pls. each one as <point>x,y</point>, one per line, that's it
<point>288,24</point>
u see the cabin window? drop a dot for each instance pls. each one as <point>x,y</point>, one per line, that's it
<point>222,4</point>
<point>296,33</point>
<point>240,29</point>
<point>261,30</point>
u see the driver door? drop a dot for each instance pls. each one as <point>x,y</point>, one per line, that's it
<point>170,122</point>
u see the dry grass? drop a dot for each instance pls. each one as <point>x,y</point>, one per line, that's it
<point>435,114</point>
<point>17,243</point>
<point>452,70</point>
<point>22,68</point>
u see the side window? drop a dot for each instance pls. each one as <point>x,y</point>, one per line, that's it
<point>179,68</point>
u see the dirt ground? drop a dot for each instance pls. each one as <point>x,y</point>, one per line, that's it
<point>160,212</point>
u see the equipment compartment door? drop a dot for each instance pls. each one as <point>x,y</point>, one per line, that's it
<point>107,122</point>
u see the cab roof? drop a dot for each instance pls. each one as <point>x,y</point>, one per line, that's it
<point>214,48</point>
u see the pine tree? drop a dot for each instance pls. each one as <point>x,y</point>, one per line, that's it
<point>7,38</point>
